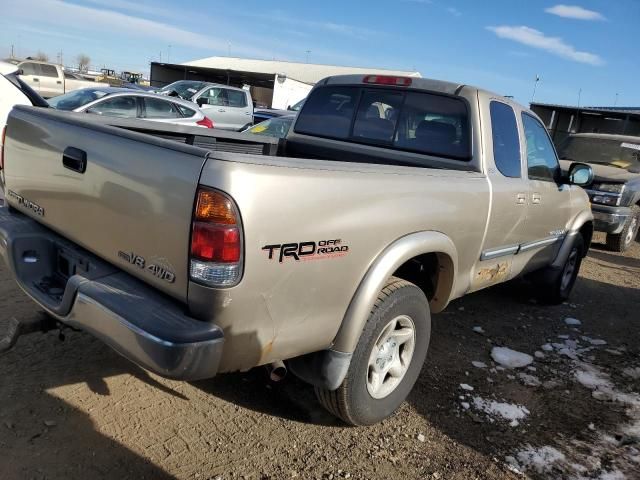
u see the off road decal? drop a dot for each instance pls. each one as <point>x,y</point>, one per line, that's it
<point>306,250</point>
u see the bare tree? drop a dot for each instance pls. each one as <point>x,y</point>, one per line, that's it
<point>41,56</point>
<point>83,62</point>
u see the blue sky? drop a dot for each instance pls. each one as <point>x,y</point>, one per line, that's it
<point>588,45</point>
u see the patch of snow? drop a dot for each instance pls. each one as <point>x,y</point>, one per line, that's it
<point>514,423</point>
<point>529,380</point>
<point>506,411</point>
<point>592,378</point>
<point>633,373</point>
<point>510,358</point>
<point>563,337</point>
<point>613,475</point>
<point>597,341</point>
<point>532,369</point>
<point>541,459</point>
<point>547,347</point>
<point>464,386</point>
<point>465,405</point>
<point>572,321</point>
<point>538,354</point>
<point>478,329</point>
<point>511,377</point>
<point>479,364</point>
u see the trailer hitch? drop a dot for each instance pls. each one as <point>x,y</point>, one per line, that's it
<point>38,323</point>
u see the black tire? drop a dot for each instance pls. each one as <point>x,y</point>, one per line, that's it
<point>554,285</point>
<point>623,240</point>
<point>352,401</point>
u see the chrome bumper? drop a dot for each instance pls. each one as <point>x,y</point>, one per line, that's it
<point>138,322</point>
<point>609,219</point>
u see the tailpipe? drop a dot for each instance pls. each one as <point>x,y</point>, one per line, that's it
<point>277,371</point>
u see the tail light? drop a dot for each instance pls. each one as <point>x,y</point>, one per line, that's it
<point>387,80</point>
<point>216,240</point>
<point>205,122</point>
<point>2,140</point>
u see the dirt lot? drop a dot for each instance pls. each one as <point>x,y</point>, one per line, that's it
<point>75,409</point>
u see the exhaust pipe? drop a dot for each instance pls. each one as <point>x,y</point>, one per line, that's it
<point>277,371</point>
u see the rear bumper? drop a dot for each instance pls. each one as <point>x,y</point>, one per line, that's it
<point>609,219</point>
<point>138,322</point>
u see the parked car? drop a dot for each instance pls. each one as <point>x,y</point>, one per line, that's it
<point>229,107</point>
<point>262,114</point>
<point>331,256</point>
<point>126,103</point>
<point>615,191</point>
<point>50,80</point>
<point>13,91</point>
<point>277,127</point>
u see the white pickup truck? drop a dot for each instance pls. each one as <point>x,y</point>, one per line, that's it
<point>50,80</point>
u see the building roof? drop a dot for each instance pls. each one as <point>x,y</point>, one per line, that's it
<point>621,110</point>
<point>304,72</point>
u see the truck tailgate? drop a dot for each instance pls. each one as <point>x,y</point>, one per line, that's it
<point>126,197</point>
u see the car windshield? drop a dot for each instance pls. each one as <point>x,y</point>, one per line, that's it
<point>274,127</point>
<point>183,88</point>
<point>297,106</point>
<point>76,99</point>
<point>615,153</point>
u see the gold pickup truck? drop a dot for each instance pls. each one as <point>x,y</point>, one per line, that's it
<point>193,253</point>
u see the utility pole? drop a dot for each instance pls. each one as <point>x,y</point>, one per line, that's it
<point>307,52</point>
<point>579,96</point>
<point>160,56</point>
<point>615,104</point>
<point>535,86</point>
<point>169,55</point>
<point>12,56</point>
<point>228,49</point>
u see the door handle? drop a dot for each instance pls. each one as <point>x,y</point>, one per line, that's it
<point>36,79</point>
<point>536,198</point>
<point>74,159</point>
<point>59,82</point>
<point>221,110</point>
<point>521,198</point>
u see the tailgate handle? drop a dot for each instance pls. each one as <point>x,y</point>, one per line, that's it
<point>74,159</point>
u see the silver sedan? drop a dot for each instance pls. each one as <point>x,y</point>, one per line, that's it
<point>126,103</point>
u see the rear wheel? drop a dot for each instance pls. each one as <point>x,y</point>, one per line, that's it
<point>387,359</point>
<point>623,240</point>
<point>554,285</point>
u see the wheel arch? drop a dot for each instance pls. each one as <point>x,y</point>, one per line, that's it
<point>432,253</point>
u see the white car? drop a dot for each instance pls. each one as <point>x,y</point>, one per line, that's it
<point>50,80</point>
<point>127,103</point>
<point>13,91</point>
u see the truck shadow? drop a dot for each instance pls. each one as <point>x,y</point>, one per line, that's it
<point>42,435</point>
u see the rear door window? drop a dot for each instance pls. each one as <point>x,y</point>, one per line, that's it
<point>506,143</point>
<point>421,122</point>
<point>156,108</point>
<point>186,112</point>
<point>49,71</point>
<point>236,98</point>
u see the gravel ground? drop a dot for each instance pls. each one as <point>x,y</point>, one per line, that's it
<point>74,409</point>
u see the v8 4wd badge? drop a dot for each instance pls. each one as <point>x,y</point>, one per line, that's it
<point>160,269</point>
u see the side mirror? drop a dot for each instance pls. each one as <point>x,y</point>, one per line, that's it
<point>202,101</point>
<point>580,174</point>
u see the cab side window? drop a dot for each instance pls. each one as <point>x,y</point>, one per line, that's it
<point>30,68</point>
<point>215,96</point>
<point>506,143</point>
<point>542,162</point>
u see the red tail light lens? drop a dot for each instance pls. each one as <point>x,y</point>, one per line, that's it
<point>205,122</point>
<point>387,80</point>
<point>215,243</point>
<point>2,140</point>
<point>216,240</point>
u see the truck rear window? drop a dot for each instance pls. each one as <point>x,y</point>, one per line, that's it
<point>420,122</point>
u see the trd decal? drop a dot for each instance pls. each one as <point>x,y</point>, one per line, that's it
<point>159,268</point>
<point>306,250</point>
